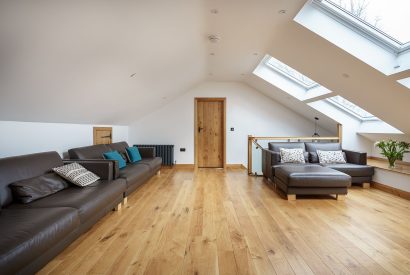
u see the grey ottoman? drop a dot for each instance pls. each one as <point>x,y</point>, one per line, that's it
<point>311,180</point>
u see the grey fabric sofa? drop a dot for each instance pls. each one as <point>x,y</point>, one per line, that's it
<point>34,233</point>
<point>135,174</point>
<point>356,166</point>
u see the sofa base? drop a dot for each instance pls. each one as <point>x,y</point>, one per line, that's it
<point>290,191</point>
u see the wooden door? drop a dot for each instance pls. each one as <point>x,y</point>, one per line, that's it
<point>102,135</point>
<point>210,132</point>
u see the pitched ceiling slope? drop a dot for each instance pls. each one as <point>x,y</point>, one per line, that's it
<point>104,62</point>
<point>344,74</point>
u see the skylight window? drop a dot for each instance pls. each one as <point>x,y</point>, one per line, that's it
<point>291,73</point>
<point>390,17</point>
<point>351,108</point>
<point>382,21</point>
<point>405,82</point>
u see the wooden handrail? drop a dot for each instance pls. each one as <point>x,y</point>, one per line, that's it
<point>293,138</point>
<point>254,140</point>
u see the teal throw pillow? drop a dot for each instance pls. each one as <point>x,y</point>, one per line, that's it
<point>134,154</point>
<point>114,155</point>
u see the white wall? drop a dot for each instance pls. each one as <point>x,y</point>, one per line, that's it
<point>18,138</point>
<point>248,111</point>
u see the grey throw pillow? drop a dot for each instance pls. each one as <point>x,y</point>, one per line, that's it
<point>76,174</point>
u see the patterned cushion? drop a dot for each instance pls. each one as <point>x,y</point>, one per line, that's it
<point>76,174</point>
<point>331,157</point>
<point>292,155</point>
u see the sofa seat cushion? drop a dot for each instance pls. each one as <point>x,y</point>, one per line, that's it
<point>353,170</point>
<point>153,163</point>
<point>311,176</point>
<point>27,233</point>
<point>88,200</point>
<point>136,173</point>
<point>274,167</point>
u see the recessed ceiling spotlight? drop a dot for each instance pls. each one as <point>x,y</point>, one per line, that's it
<point>213,38</point>
<point>345,75</point>
<point>212,54</point>
<point>282,11</point>
<point>214,11</point>
<point>133,75</point>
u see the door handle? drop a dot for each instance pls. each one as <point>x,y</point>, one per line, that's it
<point>199,129</point>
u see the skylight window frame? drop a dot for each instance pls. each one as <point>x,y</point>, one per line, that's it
<point>289,76</point>
<point>345,109</point>
<point>362,27</point>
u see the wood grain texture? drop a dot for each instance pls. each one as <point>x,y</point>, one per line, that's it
<point>210,132</point>
<point>215,221</point>
<point>102,135</point>
<point>401,167</point>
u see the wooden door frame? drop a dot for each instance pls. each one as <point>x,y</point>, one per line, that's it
<point>95,129</point>
<point>209,99</point>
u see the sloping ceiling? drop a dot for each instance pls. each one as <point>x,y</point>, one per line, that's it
<point>73,61</point>
<point>97,61</point>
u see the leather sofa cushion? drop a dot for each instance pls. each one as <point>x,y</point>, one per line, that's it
<point>274,167</point>
<point>27,233</point>
<point>88,200</point>
<point>354,170</point>
<point>18,168</point>
<point>275,146</point>
<point>29,190</point>
<point>136,173</point>
<point>324,146</point>
<point>311,176</point>
<point>89,152</point>
<point>153,163</point>
<point>119,146</point>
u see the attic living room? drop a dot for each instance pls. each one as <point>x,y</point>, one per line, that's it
<point>204,137</point>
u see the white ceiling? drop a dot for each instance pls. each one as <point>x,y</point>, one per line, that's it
<point>71,61</point>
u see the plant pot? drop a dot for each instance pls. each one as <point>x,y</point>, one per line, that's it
<point>392,163</point>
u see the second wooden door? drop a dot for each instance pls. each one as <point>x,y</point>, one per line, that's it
<point>102,135</point>
<point>210,133</point>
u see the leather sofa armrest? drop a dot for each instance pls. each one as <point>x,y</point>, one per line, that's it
<point>105,169</point>
<point>269,159</point>
<point>356,157</point>
<point>146,152</point>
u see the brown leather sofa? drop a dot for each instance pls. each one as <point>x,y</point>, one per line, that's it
<point>135,174</point>
<point>32,234</point>
<point>356,166</point>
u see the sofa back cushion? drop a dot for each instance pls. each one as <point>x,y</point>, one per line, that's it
<point>18,168</point>
<point>275,146</point>
<point>323,146</point>
<point>121,147</point>
<point>89,152</point>
<point>32,189</point>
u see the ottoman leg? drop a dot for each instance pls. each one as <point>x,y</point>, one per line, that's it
<point>340,197</point>
<point>291,197</point>
<point>366,185</point>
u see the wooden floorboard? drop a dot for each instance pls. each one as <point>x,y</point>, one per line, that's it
<point>226,222</point>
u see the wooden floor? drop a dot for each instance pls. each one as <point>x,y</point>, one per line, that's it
<point>216,222</point>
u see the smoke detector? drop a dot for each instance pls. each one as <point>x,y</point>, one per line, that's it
<point>213,38</point>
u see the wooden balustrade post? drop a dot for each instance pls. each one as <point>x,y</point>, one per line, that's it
<point>250,139</point>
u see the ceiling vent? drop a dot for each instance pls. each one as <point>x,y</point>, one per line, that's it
<point>213,38</point>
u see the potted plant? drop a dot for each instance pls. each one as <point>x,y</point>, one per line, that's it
<point>393,150</point>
